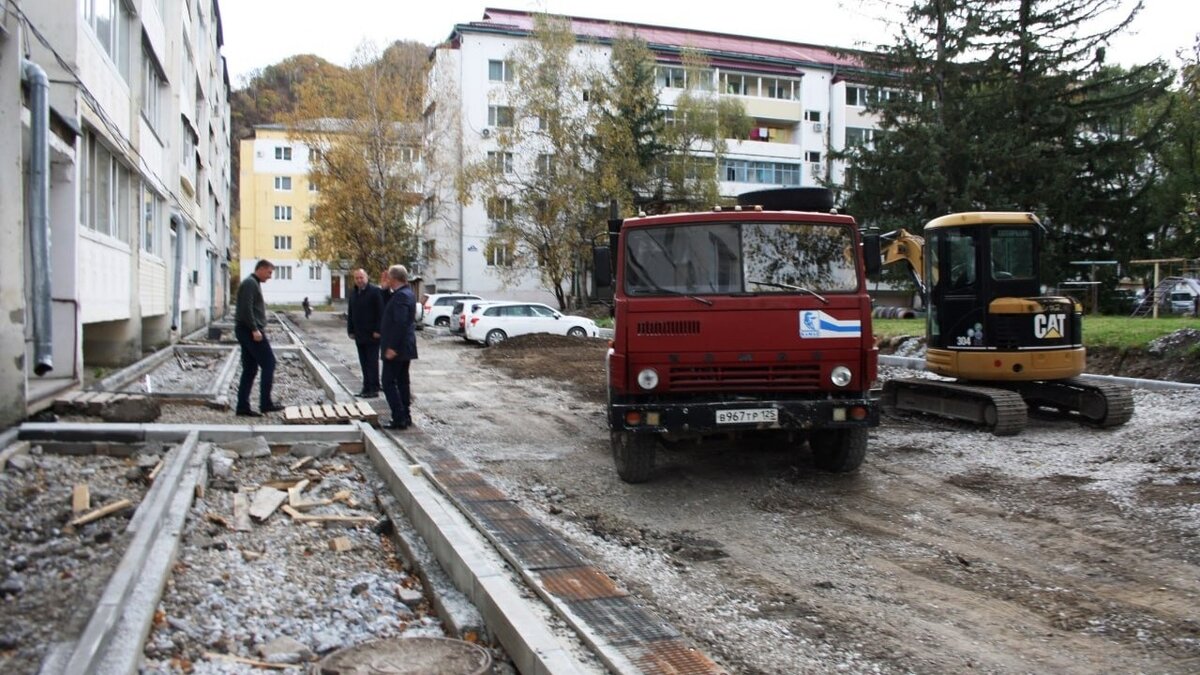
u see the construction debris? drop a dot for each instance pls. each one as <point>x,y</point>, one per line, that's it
<point>101,512</point>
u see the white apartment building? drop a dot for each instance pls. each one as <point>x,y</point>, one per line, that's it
<point>120,241</point>
<point>802,99</point>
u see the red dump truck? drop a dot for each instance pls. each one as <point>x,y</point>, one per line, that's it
<point>754,318</point>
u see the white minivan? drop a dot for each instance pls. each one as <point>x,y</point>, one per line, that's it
<point>437,307</point>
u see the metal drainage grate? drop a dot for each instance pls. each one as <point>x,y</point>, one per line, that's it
<point>621,621</point>
<point>669,656</point>
<point>477,493</point>
<point>517,529</point>
<point>543,555</point>
<point>459,478</point>
<point>498,510</point>
<point>579,583</point>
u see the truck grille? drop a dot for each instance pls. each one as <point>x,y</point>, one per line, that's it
<point>745,378</point>
<point>668,328</point>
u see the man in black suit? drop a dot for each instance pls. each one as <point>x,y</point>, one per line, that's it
<point>363,313</point>
<point>399,343</point>
<point>250,325</point>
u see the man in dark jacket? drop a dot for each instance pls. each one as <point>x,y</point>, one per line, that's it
<point>363,313</point>
<point>398,340</point>
<point>250,323</point>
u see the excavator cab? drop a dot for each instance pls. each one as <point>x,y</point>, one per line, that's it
<point>990,327</point>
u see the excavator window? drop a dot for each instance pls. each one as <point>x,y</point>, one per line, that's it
<point>1012,253</point>
<point>962,260</point>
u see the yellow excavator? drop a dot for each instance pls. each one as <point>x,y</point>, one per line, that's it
<point>1009,348</point>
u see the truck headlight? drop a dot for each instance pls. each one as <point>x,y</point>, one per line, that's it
<point>840,376</point>
<point>648,379</point>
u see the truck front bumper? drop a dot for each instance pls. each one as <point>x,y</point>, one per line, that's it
<point>702,416</point>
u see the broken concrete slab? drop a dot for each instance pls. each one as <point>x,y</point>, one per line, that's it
<point>314,449</point>
<point>285,650</point>
<point>131,409</point>
<point>248,448</point>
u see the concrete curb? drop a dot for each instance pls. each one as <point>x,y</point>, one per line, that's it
<point>475,567</point>
<point>918,363</point>
<point>94,643</point>
<point>140,433</point>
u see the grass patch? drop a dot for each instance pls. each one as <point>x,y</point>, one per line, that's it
<point>1121,332</point>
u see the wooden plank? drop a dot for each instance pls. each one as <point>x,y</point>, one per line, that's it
<point>241,512</point>
<point>218,519</point>
<point>333,519</point>
<point>318,413</point>
<point>294,492</point>
<point>266,500</point>
<point>306,413</point>
<point>329,411</point>
<point>81,498</point>
<point>284,483</point>
<point>300,463</point>
<point>340,544</point>
<point>302,506</point>
<point>213,656</point>
<point>343,412</point>
<point>365,409</point>
<point>101,512</point>
<point>291,413</point>
<point>154,472</point>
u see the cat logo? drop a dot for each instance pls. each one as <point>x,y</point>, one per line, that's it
<point>1049,326</point>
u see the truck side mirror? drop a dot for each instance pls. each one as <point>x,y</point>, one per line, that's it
<point>602,266</point>
<point>871,254</point>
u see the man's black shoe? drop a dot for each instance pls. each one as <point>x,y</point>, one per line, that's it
<point>367,394</point>
<point>248,413</point>
<point>271,407</point>
<point>398,426</point>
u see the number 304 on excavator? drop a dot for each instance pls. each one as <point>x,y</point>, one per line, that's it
<point>1009,347</point>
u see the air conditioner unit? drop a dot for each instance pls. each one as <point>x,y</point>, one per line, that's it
<point>816,170</point>
<point>486,133</point>
<point>818,127</point>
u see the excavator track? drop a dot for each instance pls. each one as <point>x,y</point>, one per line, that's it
<point>1099,403</point>
<point>1001,410</point>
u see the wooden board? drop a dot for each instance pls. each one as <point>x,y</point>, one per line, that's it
<point>101,512</point>
<point>329,412</point>
<point>81,498</point>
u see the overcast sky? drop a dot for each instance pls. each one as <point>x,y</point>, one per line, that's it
<point>259,33</point>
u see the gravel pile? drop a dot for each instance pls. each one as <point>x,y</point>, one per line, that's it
<point>51,574</point>
<point>1180,339</point>
<point>187,372</point>
<point>282,592</point>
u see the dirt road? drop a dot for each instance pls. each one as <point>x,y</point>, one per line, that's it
<point>1065,549</point>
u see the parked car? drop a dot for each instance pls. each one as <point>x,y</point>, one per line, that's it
<point>437,307</point>
<point>462,310</point>
<point>495,323</point>
<point>1182,302</point>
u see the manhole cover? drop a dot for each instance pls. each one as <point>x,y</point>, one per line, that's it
<point>408,655</point>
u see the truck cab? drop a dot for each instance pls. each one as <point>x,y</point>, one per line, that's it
<point>747,319</point>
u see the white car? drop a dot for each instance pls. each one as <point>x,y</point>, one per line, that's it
<point>495,323</point>
<point>437,307</point>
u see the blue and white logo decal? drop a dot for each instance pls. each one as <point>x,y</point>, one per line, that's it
<point>817,324</point>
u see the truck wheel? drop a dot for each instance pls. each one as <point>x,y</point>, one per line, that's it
<point>839,450</point>
<point>633,455</point>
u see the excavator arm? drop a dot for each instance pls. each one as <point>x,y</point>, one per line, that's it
<point>902,245</point>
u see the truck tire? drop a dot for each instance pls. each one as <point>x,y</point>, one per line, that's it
<point>633,455</point>
<point>839,450</point>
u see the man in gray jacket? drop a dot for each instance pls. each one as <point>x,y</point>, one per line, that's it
<point>250,323</point>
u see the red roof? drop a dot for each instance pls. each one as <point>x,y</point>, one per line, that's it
<point>704,41</point>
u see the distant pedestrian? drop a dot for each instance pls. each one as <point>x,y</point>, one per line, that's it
<point>364,310</point>
<point>399,343</point>
<point>250,324</point>
<point>307,308</point>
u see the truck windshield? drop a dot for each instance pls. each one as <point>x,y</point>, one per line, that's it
<point>727,258</point>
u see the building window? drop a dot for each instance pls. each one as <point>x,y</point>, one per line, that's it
<point>312,186</point>
<point>428,249</point>
<point>738,85</point>
<point>283,183</point>
<point>857,96</point>
<point>778,87</point>
<point>283,213</point>
<point>500,71</point>
<point>111,21</point>
<point>500,116</point>
<point>312,211</point>
<point>314,272</point>
<point>500,209</point>
<point>411,154</point>
<point>283,242</point>
<point>858,136</point>
<point>312,242</point>
<point>152,88</point>
<point>766,173</point>
<point>107,197</point>
<point>499,253</point>
<point>812,156</point>
<point>502,162</point>
<point>152,214</point>
<point>545,165</point>
<point>812,115</point>
<point>669,77</point>
<point>283,272</point>
<point>283,152</point>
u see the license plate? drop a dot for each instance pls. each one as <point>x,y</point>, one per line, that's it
<point>748,416</point>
